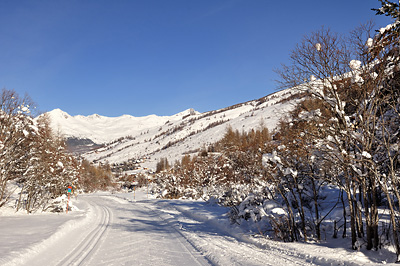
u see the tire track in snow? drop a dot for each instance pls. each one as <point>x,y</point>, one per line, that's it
<point>85,249</point>
<point>137,236</point>
<point>228,247</point>
<point>186,241</point>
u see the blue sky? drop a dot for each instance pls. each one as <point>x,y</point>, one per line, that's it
<point>143,57</point>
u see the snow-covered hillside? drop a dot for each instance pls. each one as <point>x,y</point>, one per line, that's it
<point>153,137</point>
<point>102,129</point>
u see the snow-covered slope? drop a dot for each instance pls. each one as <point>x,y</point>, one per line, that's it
<point>102,129</point>
<point>153,137</point>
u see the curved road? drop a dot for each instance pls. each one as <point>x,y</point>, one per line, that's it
<point>118,232</point>
<point>115,231</point>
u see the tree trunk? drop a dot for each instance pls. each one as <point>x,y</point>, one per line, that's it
<point>303,218</point>
<point>375,216</point>
<point>344,235</point>
<point>353,229</point>
<point>357,214</point>
<point>367,215</point>
<point>292,224</point>
<point>299,202</point>
<point>318,222</point>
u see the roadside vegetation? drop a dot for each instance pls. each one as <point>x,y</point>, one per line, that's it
<point>331,168</point>
<point>35,167</point>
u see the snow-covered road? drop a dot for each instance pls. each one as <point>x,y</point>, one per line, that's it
<point>116,229</point>
<point>112,231</point>
<point>134,234</point>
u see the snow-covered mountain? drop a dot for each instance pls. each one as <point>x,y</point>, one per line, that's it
<point>102,129</point>
<point>128,138</point>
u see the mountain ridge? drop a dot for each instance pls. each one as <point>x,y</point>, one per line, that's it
<point>127,138</point>
<point>97,125</point>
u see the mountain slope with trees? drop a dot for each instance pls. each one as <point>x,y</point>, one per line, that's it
<point>149,139</point>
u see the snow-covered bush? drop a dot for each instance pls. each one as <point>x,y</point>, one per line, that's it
<point>31,157</point>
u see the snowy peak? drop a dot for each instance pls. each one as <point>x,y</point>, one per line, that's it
<point>102,129</point>
<point>58,114</point>
<point>95,116</point>
<point>188,112</point>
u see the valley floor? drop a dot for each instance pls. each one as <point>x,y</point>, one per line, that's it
<point>132,229</point>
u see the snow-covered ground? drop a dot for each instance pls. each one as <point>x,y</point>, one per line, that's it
<point>136,229</point>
